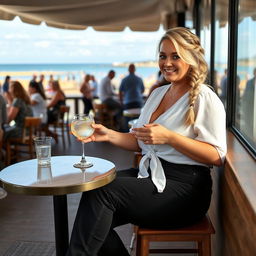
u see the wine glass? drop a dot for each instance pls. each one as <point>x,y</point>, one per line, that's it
<point>81,128</point>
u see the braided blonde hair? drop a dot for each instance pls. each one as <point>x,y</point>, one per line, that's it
<point>189,50</point>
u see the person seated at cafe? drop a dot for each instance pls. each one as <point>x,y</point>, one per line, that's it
<point>3,120</point>
<point>56,101</point>
<point>38,101</point>
<point>181,134</point>
<point>19,109</point>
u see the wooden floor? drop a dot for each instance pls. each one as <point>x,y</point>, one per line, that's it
<point>30,218</point>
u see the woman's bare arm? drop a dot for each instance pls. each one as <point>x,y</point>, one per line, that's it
<point>124,140</point>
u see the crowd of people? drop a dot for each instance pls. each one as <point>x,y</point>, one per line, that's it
<point>181,134</point>
<point>129,95</point>
<point>17,103</point>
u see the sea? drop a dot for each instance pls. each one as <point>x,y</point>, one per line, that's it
<point>73,71</point>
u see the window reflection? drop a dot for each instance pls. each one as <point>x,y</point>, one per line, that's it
<point>245,118</point>
<point>221,49</point>
<point>205,35</point>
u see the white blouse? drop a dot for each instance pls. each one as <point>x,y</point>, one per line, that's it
<point>209,127</point>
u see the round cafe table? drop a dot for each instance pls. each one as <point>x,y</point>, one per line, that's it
<point>57,180</point>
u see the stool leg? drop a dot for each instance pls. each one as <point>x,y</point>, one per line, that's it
<point>204,246</point>
<point>138,245</point>
<point>142,246</point>
<point>8,153</point>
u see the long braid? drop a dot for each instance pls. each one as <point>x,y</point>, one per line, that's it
<point>193,93</point>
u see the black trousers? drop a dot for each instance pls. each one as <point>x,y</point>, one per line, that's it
<point>129,199</point>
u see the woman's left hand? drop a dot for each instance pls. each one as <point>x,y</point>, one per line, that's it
<point>152,134</point>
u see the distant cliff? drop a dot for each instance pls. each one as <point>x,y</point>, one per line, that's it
<point>137,63</point>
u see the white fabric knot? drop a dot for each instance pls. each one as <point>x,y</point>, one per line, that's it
<point>157,173</point>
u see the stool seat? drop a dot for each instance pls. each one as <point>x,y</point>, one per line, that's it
<point>199,233</point>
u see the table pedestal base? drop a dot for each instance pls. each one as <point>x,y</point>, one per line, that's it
<point>61,224</point>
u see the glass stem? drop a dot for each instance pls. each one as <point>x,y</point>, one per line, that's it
<point>83,156</point>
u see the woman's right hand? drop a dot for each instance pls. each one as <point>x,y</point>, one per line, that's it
<point>100,134</point>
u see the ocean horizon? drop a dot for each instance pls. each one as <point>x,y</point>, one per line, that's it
<point>74,71</point>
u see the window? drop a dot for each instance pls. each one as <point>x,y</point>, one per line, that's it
<point>245,110</point>
<point>221,49</point>
<point>205,33</point>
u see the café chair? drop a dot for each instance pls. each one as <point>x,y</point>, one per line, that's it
<point>62,124</point>
<point>32,128</point>
<point>200,233</point>
<point>102,114</point>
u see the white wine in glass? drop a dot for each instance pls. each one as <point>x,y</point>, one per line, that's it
<point>81,128</point>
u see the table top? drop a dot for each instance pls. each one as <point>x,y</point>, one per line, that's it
<point>57,179</point>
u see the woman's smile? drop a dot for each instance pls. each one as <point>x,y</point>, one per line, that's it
<point>173,68</point>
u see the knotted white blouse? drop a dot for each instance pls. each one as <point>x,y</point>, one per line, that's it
<point>209,127</point>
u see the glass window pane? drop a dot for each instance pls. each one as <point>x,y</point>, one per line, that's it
<point>245,118</point>
<point>221,49</point>
<point>205,33</point>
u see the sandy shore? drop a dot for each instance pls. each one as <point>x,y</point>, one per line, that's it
<point>70,87</point>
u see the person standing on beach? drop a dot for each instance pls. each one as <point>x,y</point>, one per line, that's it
<point>131,90</point>
<point>86,90</point>
<point>6,92</point>
<point>94,85</point>
<point>41,82</point>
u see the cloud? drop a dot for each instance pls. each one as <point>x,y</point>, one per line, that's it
<point>83,42</point>
<point>85,52</point>
<point>42,44</point>
<point>16,36</point>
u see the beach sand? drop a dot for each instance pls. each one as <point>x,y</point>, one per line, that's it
<point>70,87</point>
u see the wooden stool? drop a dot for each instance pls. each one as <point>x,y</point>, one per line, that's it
<point>199,233</point>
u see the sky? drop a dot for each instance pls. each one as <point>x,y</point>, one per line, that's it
<point>25,43</point>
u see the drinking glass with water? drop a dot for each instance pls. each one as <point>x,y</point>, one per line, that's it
<point>43,150</point>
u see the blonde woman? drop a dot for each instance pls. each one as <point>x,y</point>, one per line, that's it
<point>181,134</point>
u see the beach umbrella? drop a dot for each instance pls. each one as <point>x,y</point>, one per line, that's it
<point>102,15</point>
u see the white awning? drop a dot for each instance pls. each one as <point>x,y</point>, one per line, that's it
<point>102,15</point>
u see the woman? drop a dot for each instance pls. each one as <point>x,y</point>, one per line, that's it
<point>19,109</point>
<point>38,101</point>
<point>181,133</point>
<point>57,100</point>
<point>86,90</point>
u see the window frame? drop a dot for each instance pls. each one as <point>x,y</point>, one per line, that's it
<point>232,75</point>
